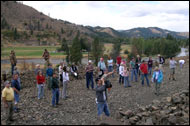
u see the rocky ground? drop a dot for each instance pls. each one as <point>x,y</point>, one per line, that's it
<point>81,108</point>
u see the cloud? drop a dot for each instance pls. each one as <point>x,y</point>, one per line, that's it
<point>125,15</point>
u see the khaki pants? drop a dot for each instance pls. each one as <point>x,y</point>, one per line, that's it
<point>9,111</point>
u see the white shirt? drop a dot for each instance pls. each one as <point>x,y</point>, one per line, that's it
<point>182,61</point>
<point>121,70</point>
<point>65,76</point>
<point>157,73</point>
<point>110,62</point>
<point>60,69</point>
<point>172,63</point>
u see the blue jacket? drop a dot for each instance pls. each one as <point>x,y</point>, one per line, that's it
<point>160,76</point>
<point>49,72</point>
<point>101,65</point>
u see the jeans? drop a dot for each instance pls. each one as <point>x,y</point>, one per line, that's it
<point>40,90</point>
<point>150,70</point>
<point>64,89</point>
<point>118,65</point>
<point>121,79</point>
<point>12,68</point>
<point>16,98</point>
<point>110,69</point>
<point>55,96</point>
<point>126,80</point>
<point>142,77</point>
<point>134,71</point>
<point>103,107</point>
<point>181,65</point>
<point>89,77</point>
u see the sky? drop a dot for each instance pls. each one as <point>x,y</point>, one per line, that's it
<point>120,15</point>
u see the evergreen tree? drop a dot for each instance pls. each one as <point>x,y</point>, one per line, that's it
<point>97,50</point>
<point>75,51</point>
<point>116,49</point>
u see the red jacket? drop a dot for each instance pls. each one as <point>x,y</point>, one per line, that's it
<point>144,68</point>
<point>119,60</point>
<point>40,79</point>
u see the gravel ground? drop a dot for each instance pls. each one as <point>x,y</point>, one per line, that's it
<point>80,108</point>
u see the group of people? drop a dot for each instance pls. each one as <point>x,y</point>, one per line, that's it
<point>136,67</point>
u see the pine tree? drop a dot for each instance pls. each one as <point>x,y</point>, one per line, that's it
<point>116,49</point>
<point>97,50</point>
<point>75,51</point>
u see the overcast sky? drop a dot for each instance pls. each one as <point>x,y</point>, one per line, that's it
<point>120,15</point>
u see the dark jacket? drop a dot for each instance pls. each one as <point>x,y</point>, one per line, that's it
<point>55,83</point>
<point>101,91</point>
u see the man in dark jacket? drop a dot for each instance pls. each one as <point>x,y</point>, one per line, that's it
<point>101,98</point>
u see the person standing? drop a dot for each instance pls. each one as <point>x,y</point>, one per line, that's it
<point>16,87</point>
<point>13,60</point>
<point>74,70</point>
<point>65,82</point>
<point>17,72</point>
<point>46,57</point>
<point>144,73</point>
<point>133,69</point>
<point>55,90</point>
<point>137,64</point>
<point>161,61</point>
<point>101,98</point>
<point>181,62</point>
<point>101,65</point>
<point>49,75</point>
<point>118,63</point>
<point>40,81</point>
<point>110,65</point>
<point>157,78</point>
<point>172,68</point>
<point>150,63</point>
<point>126,76</point>
<point>60,73</point>
<point>8,98</point>
<point>121,69</point>
<point>89,74</point>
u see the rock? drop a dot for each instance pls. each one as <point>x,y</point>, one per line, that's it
<point>129,113</point>
<point>168,99</point>
<point>172,119</point>
<point>120,109</point>
<point>149,121</point>
<point>146,114</point>
<point>133,120</point>
<point>118,115</point>
<point>142,109</point>
<point>122,113</point>
<point>154,108</point>
<point>176,100</point>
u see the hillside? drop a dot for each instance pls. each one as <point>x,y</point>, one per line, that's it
<point>24,24</point>
<point>153,32</point>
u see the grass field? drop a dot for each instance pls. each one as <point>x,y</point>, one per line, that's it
<point>37,51</point>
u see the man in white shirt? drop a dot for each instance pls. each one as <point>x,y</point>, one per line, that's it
<point>181,62</point>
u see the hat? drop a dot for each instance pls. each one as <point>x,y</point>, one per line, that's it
<point>6,82</point>
<point>138,56</point>
<point>37,65</point>
<point>90,61</point>
<point>158,54</point>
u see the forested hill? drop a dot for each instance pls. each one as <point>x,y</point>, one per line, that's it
<point>23,23</point>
